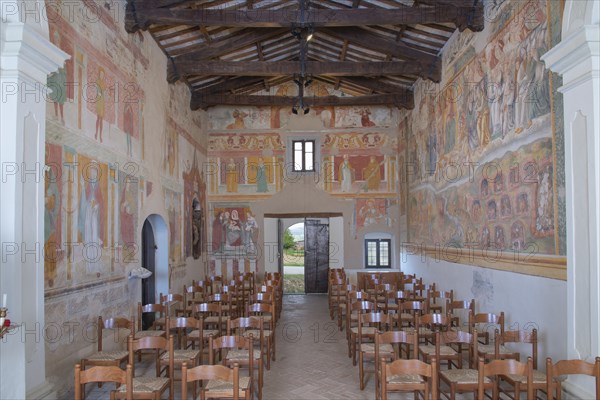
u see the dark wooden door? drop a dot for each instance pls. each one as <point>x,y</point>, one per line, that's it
<point>316,256</point>
<point>148,262</point>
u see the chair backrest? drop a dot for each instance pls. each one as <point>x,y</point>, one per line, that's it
<point>102,374</point>
<point>554,372</point>
<point>158,343</point>
<point>489,320</point>
<point>411,367</point>
<point>433,320</point>
<point>503,367</point>
<point>245,323</point>
<point>210,372</point>
<point>231,342</point>
<point>520,336</point>
<point>115,324</point>
<point>152,309</point>
<point>459,339</point>
<point>397,337</point>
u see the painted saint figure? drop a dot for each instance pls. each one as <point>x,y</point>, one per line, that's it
<point>372,174</point>
<point>100,93</point>
<point>57,82</point>
<point>261,177</point>
<point>231,176</point>
<point>346,173</point>
<point>90,219</point>
<point>52,203</point>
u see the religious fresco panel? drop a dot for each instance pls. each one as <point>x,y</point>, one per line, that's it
<point>480,160</point>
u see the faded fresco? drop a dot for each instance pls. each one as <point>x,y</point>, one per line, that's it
<point>173,207</point>
<point>234,230</point>
<point>482,169</point>
<point>360,164</point>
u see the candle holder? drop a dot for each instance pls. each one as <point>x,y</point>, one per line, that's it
<point>3,329</point>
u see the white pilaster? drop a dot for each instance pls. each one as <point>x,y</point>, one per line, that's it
<point>577,59</point>
<point>26,58</point>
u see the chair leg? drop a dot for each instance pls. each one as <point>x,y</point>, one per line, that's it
<point>361,370</point>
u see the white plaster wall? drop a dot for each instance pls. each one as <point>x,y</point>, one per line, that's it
<point>270,245</point>
<point>527,301</point>
<point>336,242</point>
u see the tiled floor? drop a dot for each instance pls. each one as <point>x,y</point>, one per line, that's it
<point>312,361</point>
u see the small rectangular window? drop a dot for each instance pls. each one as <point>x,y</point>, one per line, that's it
<point>378,253</point>
<point>304,155</point>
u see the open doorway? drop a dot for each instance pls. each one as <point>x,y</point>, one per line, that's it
<point>293,259</point>
<point>155,258</point>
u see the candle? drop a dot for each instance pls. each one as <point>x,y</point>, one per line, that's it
<point>4,300</point>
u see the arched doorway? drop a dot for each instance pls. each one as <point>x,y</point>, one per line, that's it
<point>155,258</point>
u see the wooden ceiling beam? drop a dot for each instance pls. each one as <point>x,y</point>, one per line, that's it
<point>182,69</point>
<point>371,41</point>
<point>396,99</point>
<point>141,14</point>
<point>236,42</point>
<point>376,85</point>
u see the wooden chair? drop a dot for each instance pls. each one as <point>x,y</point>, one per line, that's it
<point>217,381</point>
<point>409,376</point>
<point>173,300</point>
<point>149,387</point>
<point>180,356</point>
<point>463,379</point>
<point>484,323</point>
<point>335,294</point>
<point>555,374</point>
<point>429,324</point>
<point>101,374</point>
<point>442,349</point>
<point>267,313</point>
<point>216,282</point>
<point>342,298</point>
<point>224,300</point>
<point>434,295</point>
<point>149,312</point>
<point>453,309</point>
<point>388,346</point>
<point>234,303</point>
<point>356,309</point>
<point>381,296</point>
<point>497,368</point>
<point>237,350</point>
<point>193,295</point>
<point>109,357</point>
<point>252,328</point>
<point>515,381</point>
<point>408,312</point>
<point>368,325</point>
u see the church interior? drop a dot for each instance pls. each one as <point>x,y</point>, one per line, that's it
<point>441,156</point>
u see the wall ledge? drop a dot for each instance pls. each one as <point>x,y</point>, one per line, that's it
<point>546,266</point>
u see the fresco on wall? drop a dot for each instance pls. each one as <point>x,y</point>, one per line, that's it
<point>173,207</point>
<point>194,210</point>
<point>171,149</point>
<point>244,164</point>
<point>363,117</point>
<point>356,164</point>
<point>372,211</point>
<point>234,230</point>
<point>92,210</point>
<point>238,119</point>
<point>128,215</point>
<point>482,171</point>
<point>53,213</point>
<point>404,132</point>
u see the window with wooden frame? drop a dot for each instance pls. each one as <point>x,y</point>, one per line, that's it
<point>304,155</point>
<point>378,253</point>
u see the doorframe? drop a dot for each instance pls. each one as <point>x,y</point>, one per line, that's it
<point>304,216</point>
<point>161,258</point>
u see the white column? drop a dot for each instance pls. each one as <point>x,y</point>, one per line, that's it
<point>26,58</point>
<point>577,59</point>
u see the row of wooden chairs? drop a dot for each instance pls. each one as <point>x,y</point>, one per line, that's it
<point>217,381</point>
